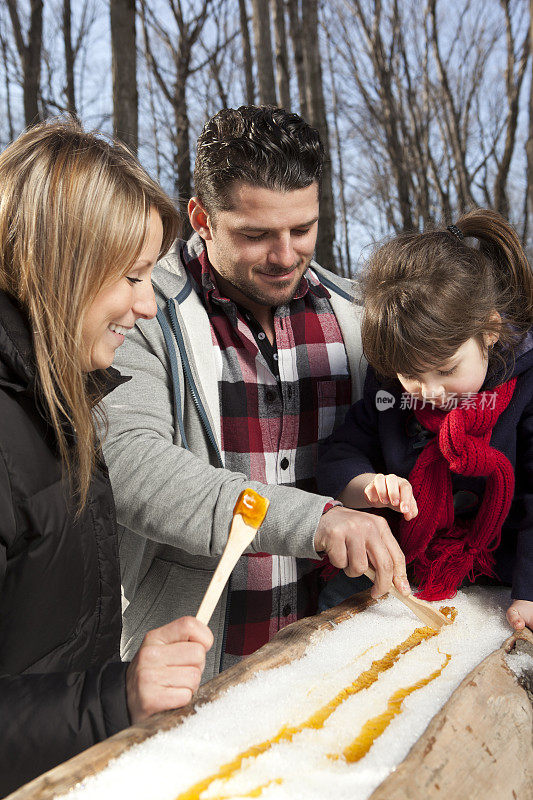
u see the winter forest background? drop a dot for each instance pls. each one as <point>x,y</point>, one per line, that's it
<point>425,106</point>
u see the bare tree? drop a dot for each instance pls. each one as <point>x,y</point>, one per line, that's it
<point>317,117</point>
<point>172,80</point>
<point>514,76</point>
<point>344,257</point>
<point>124,67</point>
<point>296,32</point>
<point>247,54</point>
<point>7,66</point>
<point>29,51</point>
<point>263,52</point>
<point>529,148</point>
<point>282,56</point>
<point>63,80</point>
<point>69,58</point>
<point>422,102</point>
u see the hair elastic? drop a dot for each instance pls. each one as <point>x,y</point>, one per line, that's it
<point>456,231</point>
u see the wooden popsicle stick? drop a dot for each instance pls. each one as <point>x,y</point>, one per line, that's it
<point>428,615</point>
<point>248,514</point>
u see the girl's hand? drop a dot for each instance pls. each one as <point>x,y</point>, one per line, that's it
<point>520,614</point>
<point>390,491</point>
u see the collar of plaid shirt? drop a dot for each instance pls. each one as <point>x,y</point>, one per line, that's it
<point>203,276</point>
<point>270,429</point>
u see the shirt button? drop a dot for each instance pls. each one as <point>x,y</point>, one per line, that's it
<point>286,610</point>
<point>270,395</point>
<point>275,356</point>
<point>284,463</point>
<point>261,336</point>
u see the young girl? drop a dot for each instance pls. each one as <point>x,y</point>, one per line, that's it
<point>444,432</point>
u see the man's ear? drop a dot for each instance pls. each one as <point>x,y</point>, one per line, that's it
<point>199,218</point>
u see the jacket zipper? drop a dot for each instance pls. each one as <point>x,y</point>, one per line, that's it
<point>190,380</point>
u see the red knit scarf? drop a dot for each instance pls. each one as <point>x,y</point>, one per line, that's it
<point>444,551</point>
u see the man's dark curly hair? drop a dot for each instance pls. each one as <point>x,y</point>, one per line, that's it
<point>258,145</point>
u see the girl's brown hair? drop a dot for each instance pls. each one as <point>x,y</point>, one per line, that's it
<point>74,212</point>
<point>425,294</point>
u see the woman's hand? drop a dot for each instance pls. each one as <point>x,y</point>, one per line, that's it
<point>167,668</point>
<point>390,491</point>
<point>520,614</point>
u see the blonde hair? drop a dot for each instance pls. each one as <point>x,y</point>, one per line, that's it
<point>74,212</point>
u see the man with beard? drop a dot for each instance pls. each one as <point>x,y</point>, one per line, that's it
<point>254,358</point>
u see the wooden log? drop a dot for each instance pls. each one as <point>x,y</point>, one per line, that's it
<point>288,644</point>
<point>478,745</point>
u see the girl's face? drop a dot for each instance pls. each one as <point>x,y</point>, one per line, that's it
<point>118,305</point>
<point>462,375</point>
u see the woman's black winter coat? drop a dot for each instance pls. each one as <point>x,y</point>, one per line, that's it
<point>62,685</point>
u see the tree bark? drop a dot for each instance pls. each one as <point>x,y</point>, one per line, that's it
<point>452,118</point>
<point>182,153</point>
<point>7,81</point>
<point>124,66</point>
<point>248,63</point>
<point>69,57</point>
<point>513,85</point>
<point>295,27</point>
<point>529,146</point>
<point>282,58</point>
<point>263,52</point>
<point>30,56</point>
<point>317,118</point>
<point>346,256</point>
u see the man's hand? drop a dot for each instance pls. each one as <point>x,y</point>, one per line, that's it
<point>354,539</point>
<point>167,668</point>
<point>520,614</point>
<point>390,491</point>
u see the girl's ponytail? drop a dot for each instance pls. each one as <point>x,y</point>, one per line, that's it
<point>499,242</point>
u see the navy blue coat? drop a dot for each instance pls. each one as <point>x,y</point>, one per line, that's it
<point>389,440</point>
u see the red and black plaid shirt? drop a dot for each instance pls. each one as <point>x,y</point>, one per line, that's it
<point>276,404</point>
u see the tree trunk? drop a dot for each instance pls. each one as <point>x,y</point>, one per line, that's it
<point>30,56</point>
<point>247,54</point>
<point>263,52</point>
<point>182,153</point>
<point>346,256</point>
<point>69,57</point>
<point>282,58</point>
<point>124,65</point>
<point>317,118</point>
<point>11,130</point>
<point>32,64</point>
<point>295,27</point>
<point>529,146</point>
<point>513,86</point>
<point>463,179</point>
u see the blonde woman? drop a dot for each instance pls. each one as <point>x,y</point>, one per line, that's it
<point>81,227</point>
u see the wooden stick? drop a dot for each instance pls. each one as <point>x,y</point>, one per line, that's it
<point>429,616</point>
<point>248,514</point>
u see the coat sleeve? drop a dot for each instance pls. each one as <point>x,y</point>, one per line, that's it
<point>48,718</point>
<point>174,496</point>
<point>523,569</point>
<point>353,448</point>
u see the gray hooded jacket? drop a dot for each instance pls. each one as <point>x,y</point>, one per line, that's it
<point>174,499</point>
